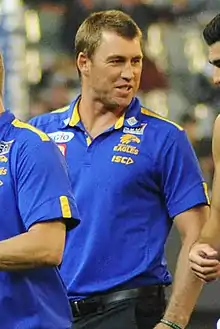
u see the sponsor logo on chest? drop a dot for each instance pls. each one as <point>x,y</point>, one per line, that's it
<point>135,131</point>
<point>61,136</point>
<point>62,148</point>
<point>132,121</point>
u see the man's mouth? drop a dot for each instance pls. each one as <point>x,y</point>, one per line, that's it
<point>124,87</point>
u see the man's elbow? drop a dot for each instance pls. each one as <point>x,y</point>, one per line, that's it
<point>56,246</point>
<point>49,241</point>
<point>55,255</point>
<point>55,260</point>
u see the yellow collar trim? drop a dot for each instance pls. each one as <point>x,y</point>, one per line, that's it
<point>119,123</point>
<point>76,118</point>
<point>75,115</point>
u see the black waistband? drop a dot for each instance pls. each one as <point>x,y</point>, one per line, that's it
<point>94,303</point>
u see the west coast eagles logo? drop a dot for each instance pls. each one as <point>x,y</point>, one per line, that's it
<point>128,138</point>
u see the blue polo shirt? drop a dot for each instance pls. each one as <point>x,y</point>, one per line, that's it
<point>34,188</point>
<point>129,183</point>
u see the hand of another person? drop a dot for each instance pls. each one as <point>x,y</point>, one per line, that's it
<point>204,262</point>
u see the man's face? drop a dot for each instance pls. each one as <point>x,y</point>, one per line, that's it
<point>214,59</point>
<point>115,69</point>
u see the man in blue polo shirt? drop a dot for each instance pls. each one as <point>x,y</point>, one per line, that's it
<point>36,206</point>
<point>133,174</point>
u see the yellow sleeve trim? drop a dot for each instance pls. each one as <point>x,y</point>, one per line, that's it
<point>19,124</point>
<point>205,187</point>
<point>62,109</point>
<point>65,207</point>
<point>155,115</point>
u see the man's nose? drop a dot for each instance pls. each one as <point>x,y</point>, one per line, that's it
<point>127,71</point>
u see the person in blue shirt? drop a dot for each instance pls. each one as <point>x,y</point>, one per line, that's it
<point>205,254</point>
<point>133,174</point>
<point>36,205</point>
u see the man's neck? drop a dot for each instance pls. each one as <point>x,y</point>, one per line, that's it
<point>95,118</point>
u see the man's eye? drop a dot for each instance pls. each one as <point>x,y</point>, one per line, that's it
<point>135,61</point>
<point>116,61</point>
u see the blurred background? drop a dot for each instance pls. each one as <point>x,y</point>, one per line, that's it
<point>37,38</point>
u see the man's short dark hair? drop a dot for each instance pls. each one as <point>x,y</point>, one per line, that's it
<point>88,36</point>
<point>211,32</point>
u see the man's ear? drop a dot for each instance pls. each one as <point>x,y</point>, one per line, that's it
<point>83,63</point>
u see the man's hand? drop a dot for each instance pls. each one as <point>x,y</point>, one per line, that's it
<point>204,262</point>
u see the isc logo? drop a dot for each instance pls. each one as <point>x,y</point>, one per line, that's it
<point>123,160</point>
<point>61,136</point>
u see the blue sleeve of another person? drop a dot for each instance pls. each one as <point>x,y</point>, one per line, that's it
<point>43,186</point>
<point>182,181</point>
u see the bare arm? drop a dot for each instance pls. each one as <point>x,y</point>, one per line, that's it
<point>186,286</point>
<point>211,230</point>
<point>42,245</point>
<point>205,253</point>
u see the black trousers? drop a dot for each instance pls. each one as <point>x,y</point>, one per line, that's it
<point>138,313</point>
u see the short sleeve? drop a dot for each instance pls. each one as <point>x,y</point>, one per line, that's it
<point>182,181</point>
<point>43,186</point>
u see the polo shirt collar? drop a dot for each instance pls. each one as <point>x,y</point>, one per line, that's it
<point>130,118</point>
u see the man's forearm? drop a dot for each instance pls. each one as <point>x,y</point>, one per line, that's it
<point>24,251</point>
<point>185,291</point>
<point>211,231</point>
